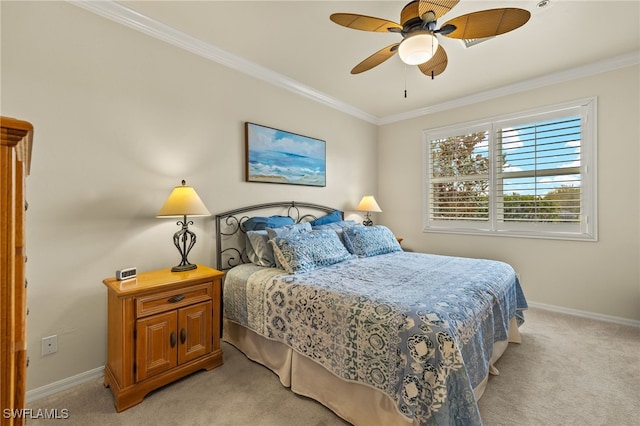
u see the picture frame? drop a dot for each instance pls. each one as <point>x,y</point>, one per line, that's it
<point>278,156</point>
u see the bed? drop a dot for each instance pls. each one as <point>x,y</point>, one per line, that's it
<point>343,315</point>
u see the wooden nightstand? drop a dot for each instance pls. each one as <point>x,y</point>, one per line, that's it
<point>162,325</point>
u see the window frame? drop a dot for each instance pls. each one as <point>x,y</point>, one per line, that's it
<point>586,230</point>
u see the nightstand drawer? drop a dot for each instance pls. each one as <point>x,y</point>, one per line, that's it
<point>173,299</point>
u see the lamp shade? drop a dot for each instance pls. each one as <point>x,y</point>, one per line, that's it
<point>418,48</point>
<point>368,204</point>
<point>183,201</point>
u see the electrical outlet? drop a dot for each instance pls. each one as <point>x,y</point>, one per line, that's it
<point>50,345</point>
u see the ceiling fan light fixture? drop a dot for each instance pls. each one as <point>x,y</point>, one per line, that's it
<point>418,48</point>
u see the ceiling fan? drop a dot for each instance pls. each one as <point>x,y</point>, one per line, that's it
<point>418,28</point>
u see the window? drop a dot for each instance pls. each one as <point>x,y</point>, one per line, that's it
<point>531,174</point>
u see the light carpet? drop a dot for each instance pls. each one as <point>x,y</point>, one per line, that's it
<point>568,370</point>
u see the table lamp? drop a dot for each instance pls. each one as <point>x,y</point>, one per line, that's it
<point>368,204</point>
<point>182,202</point>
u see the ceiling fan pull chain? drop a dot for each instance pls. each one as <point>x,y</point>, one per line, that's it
<point>405,82</point>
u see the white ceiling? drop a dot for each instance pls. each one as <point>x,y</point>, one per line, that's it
<point>293,43</point>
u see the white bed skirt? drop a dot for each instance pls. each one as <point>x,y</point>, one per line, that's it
<point>356,403</point>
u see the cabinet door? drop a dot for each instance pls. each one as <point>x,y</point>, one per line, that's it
<point>156,342</point>
<point>195,331</point>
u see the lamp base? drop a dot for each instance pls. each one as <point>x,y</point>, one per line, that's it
<point>182,268</point>
<point>367,220</point>
<point>187,239</point>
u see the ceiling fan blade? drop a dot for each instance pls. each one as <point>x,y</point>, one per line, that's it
<point>376,59</point>
<point>435,65</point>
<point>438,7</point>
<point>487,23</point>
<point>364,23</point>
<point>417,9</point>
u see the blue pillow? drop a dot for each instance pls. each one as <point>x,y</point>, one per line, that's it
<point>307,251</point>
<point>365,241</point>
<point>336,226</point>
<point>287,230</point>
<point>258,223</point>
<point>334,216</point>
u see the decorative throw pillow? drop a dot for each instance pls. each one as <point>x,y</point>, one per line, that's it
<point>285,231</point>
<point>365,241</point>
<point>309,250</point>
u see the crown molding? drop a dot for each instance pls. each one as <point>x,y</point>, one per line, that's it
<point>610,64</point>
<point>122,14</point>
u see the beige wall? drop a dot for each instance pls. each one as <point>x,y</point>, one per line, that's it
<point>120,118</point>
<point>601,277</point>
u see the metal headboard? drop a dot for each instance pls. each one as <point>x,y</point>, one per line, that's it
<point>230,233</point>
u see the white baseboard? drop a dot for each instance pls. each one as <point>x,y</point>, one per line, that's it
<point>586,314</point>
<point>60,385</point>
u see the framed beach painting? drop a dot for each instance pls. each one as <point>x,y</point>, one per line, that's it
<point>276,156</point>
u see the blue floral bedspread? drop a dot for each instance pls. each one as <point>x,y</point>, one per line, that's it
<point>416,326</point>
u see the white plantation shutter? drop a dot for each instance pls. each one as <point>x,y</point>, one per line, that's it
<point>530,174</point>
<point>542,158</point>
<point>459,177</point>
